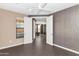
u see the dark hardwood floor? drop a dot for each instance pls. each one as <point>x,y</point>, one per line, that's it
<point>37,48</point>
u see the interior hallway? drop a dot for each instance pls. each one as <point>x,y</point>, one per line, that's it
<point>37,48</point>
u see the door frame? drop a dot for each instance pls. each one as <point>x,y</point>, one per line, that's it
<point>46,26</point>
<point>47,31</point>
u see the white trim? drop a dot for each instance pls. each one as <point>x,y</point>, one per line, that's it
<point>49,44</point>
<point>10,46</point>
<point>66,48</point>
<point>28,42</point>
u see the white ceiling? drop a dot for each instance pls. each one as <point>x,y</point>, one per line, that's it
<point>35,8</point>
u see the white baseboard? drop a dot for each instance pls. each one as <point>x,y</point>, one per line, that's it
<point>10,46</point>
<point>28,42</point>
<point>66,48</point>
<point>50,44</point>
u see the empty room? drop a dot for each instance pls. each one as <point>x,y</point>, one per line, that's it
<point>39,29</point>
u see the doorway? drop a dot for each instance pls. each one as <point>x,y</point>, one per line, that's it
<point>30,29</point>
<point>39,31</point>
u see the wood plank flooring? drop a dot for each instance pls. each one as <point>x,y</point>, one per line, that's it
<point>37,48</point>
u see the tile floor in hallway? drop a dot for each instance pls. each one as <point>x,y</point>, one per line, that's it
<point>37,48</point>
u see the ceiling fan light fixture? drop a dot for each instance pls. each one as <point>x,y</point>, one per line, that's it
<point>42,5</point>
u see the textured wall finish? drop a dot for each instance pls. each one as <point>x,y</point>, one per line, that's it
<point>66,28</point>
<point>8,28</point>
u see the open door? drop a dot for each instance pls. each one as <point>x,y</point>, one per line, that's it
<point>27,30</point>
<point>49,30</point>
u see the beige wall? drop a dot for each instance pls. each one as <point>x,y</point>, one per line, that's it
<point>66,28</point>
<point>8,28</point>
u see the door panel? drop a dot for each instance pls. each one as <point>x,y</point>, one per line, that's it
<point>49,30</point>
<point>27,30</point>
